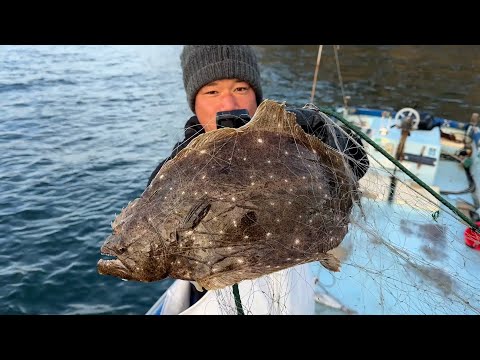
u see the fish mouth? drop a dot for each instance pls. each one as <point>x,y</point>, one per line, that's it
<point>114,267</point>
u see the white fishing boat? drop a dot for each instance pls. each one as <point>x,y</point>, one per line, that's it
<point>410,249</point>
<point>287,292</point>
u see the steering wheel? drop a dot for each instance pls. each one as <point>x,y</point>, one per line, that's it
<point>407,112</point>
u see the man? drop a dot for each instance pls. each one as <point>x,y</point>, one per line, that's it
<point>227,77</point>
<point>224,78</point>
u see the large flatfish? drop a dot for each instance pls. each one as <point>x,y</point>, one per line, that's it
<point>236,204</point>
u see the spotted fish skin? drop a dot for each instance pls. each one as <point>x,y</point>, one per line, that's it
<point>236,204</point>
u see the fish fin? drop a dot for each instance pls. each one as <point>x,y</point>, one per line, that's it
<point>331,262</point>
<point>273,116</point>
<point>197,286</point>
<point>210,137</point>
<point>198,143</point>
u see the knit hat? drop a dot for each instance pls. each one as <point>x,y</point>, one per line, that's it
<point>202,64</point>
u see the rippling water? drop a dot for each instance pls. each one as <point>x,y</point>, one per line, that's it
<point>82,127</point>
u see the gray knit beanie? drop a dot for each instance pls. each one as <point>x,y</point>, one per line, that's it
<point>202,64</point>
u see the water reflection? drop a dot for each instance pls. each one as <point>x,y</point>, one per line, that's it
<point>442,79</point>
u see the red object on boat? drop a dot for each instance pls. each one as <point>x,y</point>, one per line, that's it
<point>472,238</point>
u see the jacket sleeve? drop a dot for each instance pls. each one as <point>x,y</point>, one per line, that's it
<point>316,123</point>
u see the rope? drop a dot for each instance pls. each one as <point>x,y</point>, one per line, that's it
<point>238,301</point>
<point>340,76</point>
<point>403,168</point>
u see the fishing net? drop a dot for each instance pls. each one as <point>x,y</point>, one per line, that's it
<point>404,253</point>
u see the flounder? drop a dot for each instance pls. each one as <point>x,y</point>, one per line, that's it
<point>236,204</point>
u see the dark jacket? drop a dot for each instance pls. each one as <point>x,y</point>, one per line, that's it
<point>312,122</point>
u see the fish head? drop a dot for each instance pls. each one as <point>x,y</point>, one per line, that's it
<point>137,253</point>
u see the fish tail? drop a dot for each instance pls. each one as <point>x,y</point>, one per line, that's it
<point>330,262</point>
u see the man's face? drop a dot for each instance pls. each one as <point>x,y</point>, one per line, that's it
<point>223,95</point>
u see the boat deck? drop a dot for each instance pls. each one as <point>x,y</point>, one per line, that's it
<point>407,255</point>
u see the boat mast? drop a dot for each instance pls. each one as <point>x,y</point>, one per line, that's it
<point>319,56</point>
<point>406,126</point>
